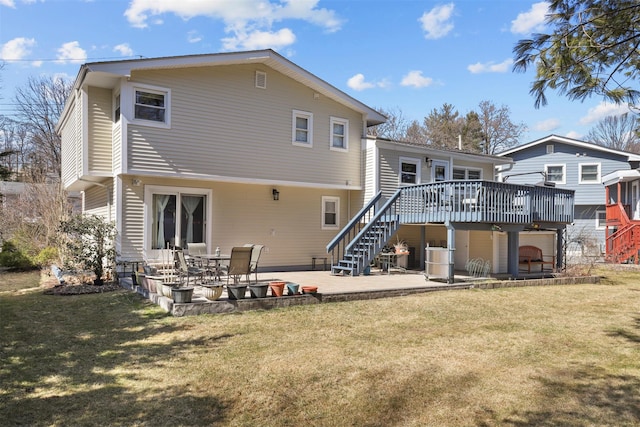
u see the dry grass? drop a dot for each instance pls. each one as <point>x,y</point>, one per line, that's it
<point>558,355</point>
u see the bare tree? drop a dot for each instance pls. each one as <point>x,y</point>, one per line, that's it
<point>416,133</point>
<point>395,128</point>
<point>40,104</point>
<point>498,131</point>
<point>617,132</point>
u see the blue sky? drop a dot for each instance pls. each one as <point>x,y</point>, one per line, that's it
<point>406,55</point>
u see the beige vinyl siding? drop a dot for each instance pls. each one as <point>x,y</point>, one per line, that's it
<point>222,125</point>
<point>100,130</point>
<point>71,144</point>
<point>390,170</point>
<point>117,148</point>
<point>132,210</point>
<point>96,201</point>
<point>481,245</point>
<point>290,228</point>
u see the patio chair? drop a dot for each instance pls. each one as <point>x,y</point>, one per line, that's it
<point>253,265</point>
<point>239,264</point>
<point>186,270</point>
<point>193,250</point>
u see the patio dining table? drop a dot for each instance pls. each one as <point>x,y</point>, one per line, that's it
<point>213,264</point>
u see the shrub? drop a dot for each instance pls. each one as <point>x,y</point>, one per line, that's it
<point>13,258</point>
<point>46,256</point>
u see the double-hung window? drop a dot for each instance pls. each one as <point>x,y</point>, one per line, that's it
<point>555,173</point>
<point>589,173</point>
<point>302,128</point>
<point>466,174</point>
<point>339,134</point>
<point>151,106</point>
<point>330,212</point>
<point>409,171</point>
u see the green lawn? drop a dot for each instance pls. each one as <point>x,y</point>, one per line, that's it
<point>553,355</point>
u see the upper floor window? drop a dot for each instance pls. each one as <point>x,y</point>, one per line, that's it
<point>330,211</point>
<point>466,174</point>
<point>339,133</point>
<point>152,106</point>
<point>116,109</point>
<point>589,173</point>
<point>409,171</point>
<point>555,173</point>
<point>550,149</point>
<point>302,128</point>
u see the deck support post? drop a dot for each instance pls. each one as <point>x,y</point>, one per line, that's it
<point>559,249</point>
<point>513,243</point>
<point>451,246</point>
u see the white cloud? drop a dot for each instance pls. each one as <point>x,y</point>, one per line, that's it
<point>17,49</point>
<point>416,79</point>
<point>249,23</point>
<point>603,110</point>
<point>8,3</point>
<point>547,125</point>
<point>194,37</point>
<point>357,82</point>
<point>260,40</point>
<point>436,23</point>
<point>574,135</point>
<point>490,67</point>
<point>124,49</point>
<point>71,52</point>
<point>530,21</point>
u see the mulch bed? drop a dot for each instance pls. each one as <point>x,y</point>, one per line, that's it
<point>80,288</point>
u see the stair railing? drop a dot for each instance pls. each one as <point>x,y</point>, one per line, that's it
<point>336,247</point>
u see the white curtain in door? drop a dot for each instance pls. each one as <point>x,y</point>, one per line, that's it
<point>161,204</point>
<point>190,204</point>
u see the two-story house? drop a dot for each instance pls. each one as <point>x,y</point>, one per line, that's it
<point>572,164</point>
<point>248,147</point>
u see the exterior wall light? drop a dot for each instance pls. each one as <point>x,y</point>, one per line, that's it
<point>276,194</point>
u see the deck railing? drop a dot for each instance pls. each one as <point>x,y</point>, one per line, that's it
<point>486,202</point>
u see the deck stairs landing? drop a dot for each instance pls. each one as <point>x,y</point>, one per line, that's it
<point>623,245</point>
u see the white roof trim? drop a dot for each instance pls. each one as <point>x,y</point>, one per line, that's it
<point>570,141</point>
<point>621,176</point>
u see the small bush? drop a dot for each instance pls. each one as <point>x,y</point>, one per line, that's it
<point>46,256</point>
<point>13,258</point>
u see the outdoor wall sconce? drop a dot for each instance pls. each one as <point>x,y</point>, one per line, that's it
<point>276,194</point>
<point>428,160</point>
<point>136,182</point>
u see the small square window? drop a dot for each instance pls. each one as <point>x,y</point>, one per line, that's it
<point>589,174</point>
<point>555,173</point>
<point>601,220</point>
<point>550,149</point>
<point>302,128</point>
<point>339,133</point>
<point>330,212</point>
<point>409,171</point>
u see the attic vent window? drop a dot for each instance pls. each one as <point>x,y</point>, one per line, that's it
<point>550,149</point>
<point>261,80</point>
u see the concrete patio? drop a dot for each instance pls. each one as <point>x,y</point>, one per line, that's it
<point>340,289</point>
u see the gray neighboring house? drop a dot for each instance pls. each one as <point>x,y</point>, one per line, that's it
<point>576,165</point>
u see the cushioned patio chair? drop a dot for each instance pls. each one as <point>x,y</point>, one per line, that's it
<point>255,258</point>
<point>239,264</point>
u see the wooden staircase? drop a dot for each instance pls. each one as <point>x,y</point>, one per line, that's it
<point>623,245</point>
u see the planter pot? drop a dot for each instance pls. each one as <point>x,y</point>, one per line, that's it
<point>258,291</point>
<point>309,289</point>
<point>292,288</point>
<point>165,289</point>
<point>182,294</point>
<point>277,288</point>
<point>212,292</point>
<point>236,291</point>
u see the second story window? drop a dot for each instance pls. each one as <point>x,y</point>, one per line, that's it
<point>409,171</point>
<point>555,173</point>
<point>589,173</point>
<point>150,106</point>
<point>302,128</point>
<point>339,133</point>
<point>116,109</point>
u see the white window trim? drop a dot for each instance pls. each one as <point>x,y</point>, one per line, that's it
<point>412,160</point>
<point>345,123</point>
<point>466,171</point>
<point>601,225</point>
<point>564,172</point>
<point>309,116</point>
<point>597,181</point>
<point>335,199</point>
<point>550,149</point>
<point>167,106</point>
<point>150,190</point>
